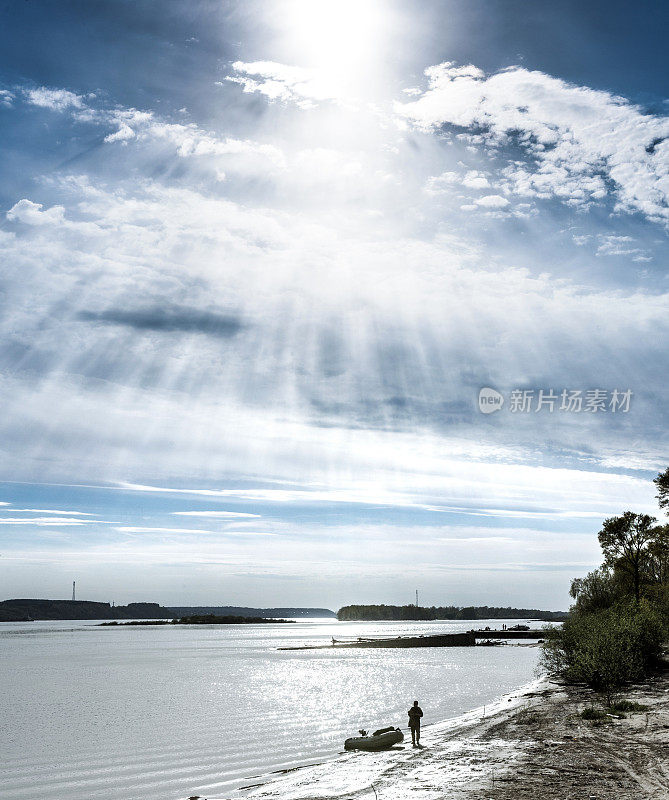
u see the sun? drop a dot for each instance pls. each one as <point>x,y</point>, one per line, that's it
<point>341,41</point>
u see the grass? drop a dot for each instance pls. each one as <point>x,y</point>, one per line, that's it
<point>628,706</point>
<point>616,709</point>
<point>594,714</point>
<point>528,717</point>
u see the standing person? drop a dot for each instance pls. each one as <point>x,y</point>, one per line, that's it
<point>415,713</point>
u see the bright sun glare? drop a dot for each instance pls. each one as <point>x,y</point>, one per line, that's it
<point>340,40</point>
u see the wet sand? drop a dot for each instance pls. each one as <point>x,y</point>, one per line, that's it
<point>529,745</point>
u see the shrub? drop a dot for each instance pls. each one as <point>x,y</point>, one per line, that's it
<point>605,649</point>
<point>627,706</point>
<point>594,714</point>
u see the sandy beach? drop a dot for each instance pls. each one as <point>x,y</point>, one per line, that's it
<point>529,744</point>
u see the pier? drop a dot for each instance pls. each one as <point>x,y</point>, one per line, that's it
<point>441,640</point>
<point>466,639</point>
<point>508,634</point>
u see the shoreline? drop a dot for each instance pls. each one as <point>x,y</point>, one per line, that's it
<point>526,744</point>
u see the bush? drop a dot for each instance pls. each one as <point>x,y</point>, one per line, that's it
<point>594,714</point>
<point>627,706</point>
<point>605,649</point>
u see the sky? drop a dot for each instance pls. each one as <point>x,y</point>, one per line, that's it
<point>259,259</point>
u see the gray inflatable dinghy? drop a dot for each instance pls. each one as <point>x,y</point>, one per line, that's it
<point>379,740</point>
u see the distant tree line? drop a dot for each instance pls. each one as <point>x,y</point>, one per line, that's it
<point>399,613</point>
<point>201,619</point>
<point>620,617</point>
<point>20,610</point>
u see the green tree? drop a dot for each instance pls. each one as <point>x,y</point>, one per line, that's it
<point>656,567</point>
<point>606,649</point>
<point>662,483</point>
<point>598,590</point>
<point>624,541</point>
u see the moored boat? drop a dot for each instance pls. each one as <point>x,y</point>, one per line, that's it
<point>379,740</point>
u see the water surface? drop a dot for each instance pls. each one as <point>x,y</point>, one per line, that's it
<point>123,713</point>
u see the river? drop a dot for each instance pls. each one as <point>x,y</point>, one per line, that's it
<point>123,713</point>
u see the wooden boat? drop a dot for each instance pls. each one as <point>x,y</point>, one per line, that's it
<point>379,740</point>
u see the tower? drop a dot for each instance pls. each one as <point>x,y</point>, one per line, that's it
<point>416,598</point>
<point>74,593</point>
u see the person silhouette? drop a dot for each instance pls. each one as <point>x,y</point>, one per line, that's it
<point>415,713</point>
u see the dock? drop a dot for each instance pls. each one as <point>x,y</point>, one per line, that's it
<point>441,640</point>
<point>499,634</point>
<point>466,639</point>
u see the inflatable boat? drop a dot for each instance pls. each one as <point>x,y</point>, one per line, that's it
<point>379,740</point>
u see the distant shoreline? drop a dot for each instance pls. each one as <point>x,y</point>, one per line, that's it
<point>414,613</point>
<point>32,610</point>
<point>206,619</point>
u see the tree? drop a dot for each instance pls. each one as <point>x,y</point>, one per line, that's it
<point>624,541</point>
<point>657,557</point>
<point>662,483</point>
<point>605,649</point>
<point>598,590</point>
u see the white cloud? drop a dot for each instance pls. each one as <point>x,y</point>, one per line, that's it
<point>573,137</point>
<point>56,99</point>
<point>32,214</point>
<point>150,529</point>
<point>438,184</point>
<point>281,82</point>
<point>49,511</point>
<point>123,134</point>
<point>144,126</point>
<point>425,323</point>
<point>492,201</point>
<point>474,179</point>
<point>362,341</point>
<point>223,514</point>
<point>618,245</point>
<point>6,98</point>
<point>188,138</point>
<point>41,521</point>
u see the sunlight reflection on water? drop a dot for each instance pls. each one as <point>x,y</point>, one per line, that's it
<point>171,712</point>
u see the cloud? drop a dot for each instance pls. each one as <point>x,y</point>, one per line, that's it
<point>432,485</point>
<point>579,144</point>
<point>131,124</point>
<point>6,98</point>
<point>187,138</point>
<point>618,245</point>
<point>213,514</point>
<point>30,213</point>
<point>169,319</point>
<point>438,184</point>
<point>280,82</point>
<point>149,529</point>
<point>343,338</point>
<point>474,179</point>
<point>123,134</point>
<point>349,495</point>
<point>492,201</point>
<point>55,99</point>
<point>50,511</point>
<point>41,521</point>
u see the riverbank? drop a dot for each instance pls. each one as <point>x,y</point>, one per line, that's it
<point>529,744</point>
